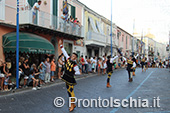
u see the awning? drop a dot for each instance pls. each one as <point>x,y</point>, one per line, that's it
<point>27,43</point>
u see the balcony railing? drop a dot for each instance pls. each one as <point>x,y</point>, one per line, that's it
<point>114,41</point>
<point>96,37</point>
<point>44,19</point>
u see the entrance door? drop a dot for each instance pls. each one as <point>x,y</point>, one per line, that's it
<point>68,47</point>
<point>55,13</point>
<point>96,52</point>
<point>31,3</point>
<point>89,52</point>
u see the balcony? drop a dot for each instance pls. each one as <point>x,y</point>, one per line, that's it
<point>95,39</point>
<point>49,21</point>
<point>114,41</point>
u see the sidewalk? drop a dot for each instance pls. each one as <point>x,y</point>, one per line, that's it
<point>57,81</point>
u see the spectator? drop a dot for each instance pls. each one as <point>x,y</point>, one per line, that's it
<point>75,21</point>
<point>104,64</point>
<point>78,23</point>
<point>2,76</point>
<point>42,69</point>
<point>5,71</point>
<point>34,68</point>
<point>32,81</point>
<point>82,63</point>
<point>25,68</point>
<point>48,70</point>
<point>60,65</point>
<point>94,64</point>
<point>21,73</point>
<point>100,66</point>
<point>89,65</point>
<point>119,63</point>
<point>63,16</point>
<point>35,8</point>
<point>71,19</point>
<point>86,65</point>
<point>53,69</point>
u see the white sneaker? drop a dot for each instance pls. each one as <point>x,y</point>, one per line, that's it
<point>34,88</point>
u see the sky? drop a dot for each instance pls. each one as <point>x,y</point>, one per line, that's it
<point>153,14</point>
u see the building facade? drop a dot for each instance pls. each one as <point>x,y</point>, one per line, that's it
<point>47,24</point>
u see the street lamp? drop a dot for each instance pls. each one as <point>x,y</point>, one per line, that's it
<point>17,46</point>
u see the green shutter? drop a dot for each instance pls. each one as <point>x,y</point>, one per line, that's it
<point>55,7</point>
<point>55,12</point>
<point>31,3</point>
<point>73,11</point>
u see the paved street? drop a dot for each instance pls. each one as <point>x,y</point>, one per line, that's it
<point>153,83</point>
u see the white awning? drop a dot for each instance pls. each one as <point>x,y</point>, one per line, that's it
<point>99,28</point>
<point>93,25</point>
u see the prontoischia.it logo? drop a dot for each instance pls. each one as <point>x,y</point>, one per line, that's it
<point>111,102</point>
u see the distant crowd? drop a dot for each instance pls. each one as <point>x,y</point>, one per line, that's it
<point>49,70</point>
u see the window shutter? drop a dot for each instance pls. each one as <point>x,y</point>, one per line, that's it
<point>73,11</point>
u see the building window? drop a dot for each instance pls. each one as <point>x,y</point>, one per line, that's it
<point>126,42</point>
<point>122,38</point>
<point>117,35</point>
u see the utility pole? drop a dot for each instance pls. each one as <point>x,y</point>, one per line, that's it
<point>17,46</point>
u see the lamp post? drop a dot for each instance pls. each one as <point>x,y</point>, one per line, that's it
<point>111,29</point>
<point>17,46</point>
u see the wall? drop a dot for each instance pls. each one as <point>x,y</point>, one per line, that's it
<point>3,31</point>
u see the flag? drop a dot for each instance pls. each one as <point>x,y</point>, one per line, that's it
<point>65,8</point>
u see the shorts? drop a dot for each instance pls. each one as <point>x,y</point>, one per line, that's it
<point>52,73</point>
<point>26,77</point>
<point>6,81</point>
<point>2,75</point>
<point>33,13</point>
<point>30,83</point>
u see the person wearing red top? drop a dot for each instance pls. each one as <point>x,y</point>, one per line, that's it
<point>82,61</point>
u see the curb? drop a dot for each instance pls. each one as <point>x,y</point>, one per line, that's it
<point>56,82</point>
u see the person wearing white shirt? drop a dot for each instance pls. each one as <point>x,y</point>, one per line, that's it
<point>35,7</point>
<point>71,69</point>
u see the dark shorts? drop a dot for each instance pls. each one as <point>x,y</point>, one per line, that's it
<point>30,84</point>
